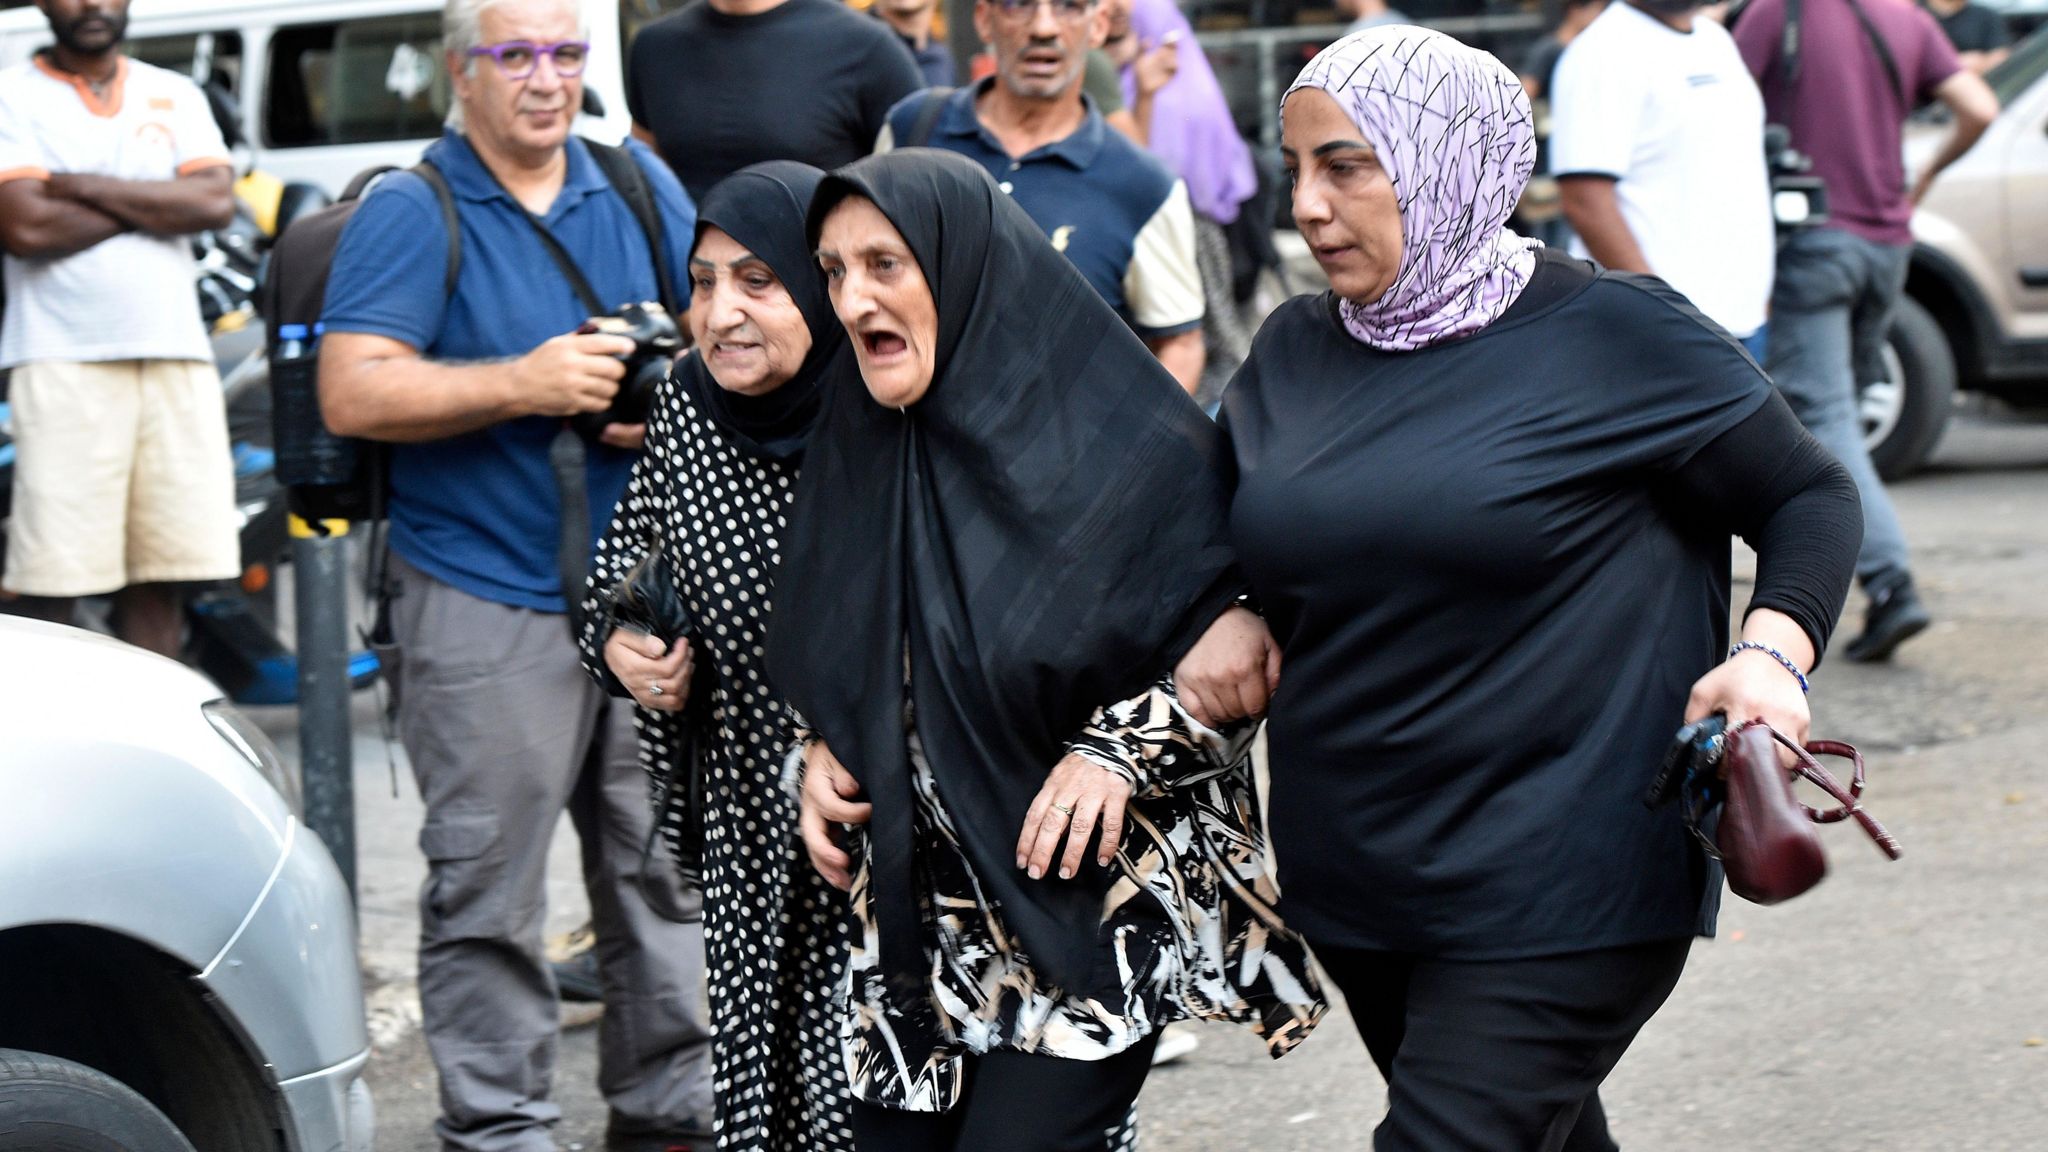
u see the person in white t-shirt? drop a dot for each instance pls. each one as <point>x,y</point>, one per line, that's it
<point>1657,145</point>
<point>123,480</point>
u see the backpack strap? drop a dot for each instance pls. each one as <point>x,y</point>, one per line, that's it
<point>425,170</point>
<point>630,182</point>
<point>927,118</point>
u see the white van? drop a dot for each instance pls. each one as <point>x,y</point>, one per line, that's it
<point>327,88</point>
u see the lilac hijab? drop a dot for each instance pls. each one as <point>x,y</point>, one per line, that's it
<point>1191,130</point>
<point>1452,128</point>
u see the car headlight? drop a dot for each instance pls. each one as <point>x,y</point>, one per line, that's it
<point>246,738</point>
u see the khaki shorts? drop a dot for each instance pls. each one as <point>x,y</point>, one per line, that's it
<point>123,476</point>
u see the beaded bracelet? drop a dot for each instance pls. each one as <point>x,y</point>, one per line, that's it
<point>1774,654</point>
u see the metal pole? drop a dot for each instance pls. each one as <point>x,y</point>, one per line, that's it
<point>326,744</point>
<point>961,37</point>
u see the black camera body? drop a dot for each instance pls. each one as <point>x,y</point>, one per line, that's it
<point>656,341</point>
<point>1799,200</point>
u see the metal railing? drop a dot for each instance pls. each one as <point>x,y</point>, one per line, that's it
<point>1265,45</point>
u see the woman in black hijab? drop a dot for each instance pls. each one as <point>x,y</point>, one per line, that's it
<point>724,443</point>
<point>1007,533</point>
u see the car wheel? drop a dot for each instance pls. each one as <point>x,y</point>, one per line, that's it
<point>53,1105</point>
<point>1905,414</point>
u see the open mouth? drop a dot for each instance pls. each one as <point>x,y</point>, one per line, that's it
<point>1040,62</point>
<point>883,344</point>
<point>733,348</point>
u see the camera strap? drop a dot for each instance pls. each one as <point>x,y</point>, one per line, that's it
<point>568,456</point>
<point>592,306</point>
<point>624,175</point>
<point>1791,42</point>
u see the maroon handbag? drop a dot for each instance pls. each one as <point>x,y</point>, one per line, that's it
<point>1766,838</point>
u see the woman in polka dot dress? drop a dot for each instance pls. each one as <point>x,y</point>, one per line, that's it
<point>724,442</point>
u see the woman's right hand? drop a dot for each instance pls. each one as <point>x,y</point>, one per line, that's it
<point>828,800</point>
<point>1231,672</point>
<point>658,679</point>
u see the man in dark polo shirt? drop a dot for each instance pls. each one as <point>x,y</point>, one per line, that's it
<point>911,20</point>
<point>502,727</point>
<point>1116,212</point>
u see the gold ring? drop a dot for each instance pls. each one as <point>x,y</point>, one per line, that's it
<point>1064,809</point>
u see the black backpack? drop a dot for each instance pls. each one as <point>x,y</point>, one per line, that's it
<point>334,477</point>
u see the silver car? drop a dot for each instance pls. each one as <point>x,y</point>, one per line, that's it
<point>1975,314</point>
<point>177,951</point>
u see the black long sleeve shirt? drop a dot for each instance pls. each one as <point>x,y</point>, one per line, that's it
<point>1496,567</point>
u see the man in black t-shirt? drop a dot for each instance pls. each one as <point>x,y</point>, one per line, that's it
<point>1541,60</point>
<point>728,83</point>
<point>1981,38</point>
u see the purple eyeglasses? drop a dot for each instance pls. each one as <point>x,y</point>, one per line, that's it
<point>518,58</point>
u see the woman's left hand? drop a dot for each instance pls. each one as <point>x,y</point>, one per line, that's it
<point>1750,685</point>
<point>1078,795</point>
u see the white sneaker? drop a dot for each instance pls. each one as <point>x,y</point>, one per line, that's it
<point>1174,1043</point>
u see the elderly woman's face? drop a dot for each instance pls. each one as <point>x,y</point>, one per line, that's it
<point>1344,202</point>
<point>880,294</point>
<point>750,332</point>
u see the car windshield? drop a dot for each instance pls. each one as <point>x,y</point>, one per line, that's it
<point>2018,72</point>
<point>2013,76</point>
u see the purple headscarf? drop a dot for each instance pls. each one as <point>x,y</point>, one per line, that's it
<point>1191,130</point>
<point>1452,128</point>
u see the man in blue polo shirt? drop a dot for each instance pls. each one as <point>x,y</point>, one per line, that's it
<point>503,728</point>
<point>1117,213</point>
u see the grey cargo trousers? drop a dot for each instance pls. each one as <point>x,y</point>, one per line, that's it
<point>505,731</point>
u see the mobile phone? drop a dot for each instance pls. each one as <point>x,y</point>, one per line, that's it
<point>1690,746</point>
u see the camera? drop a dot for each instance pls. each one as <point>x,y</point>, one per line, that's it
<point>656,340</point>
<point>1799,200</point>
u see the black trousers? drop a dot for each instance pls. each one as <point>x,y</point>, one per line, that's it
<point>1500,1055</point>
<point>1018,1102</point>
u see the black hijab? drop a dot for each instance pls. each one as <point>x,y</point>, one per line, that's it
<point>762,207</point>
<point>1043,534</point>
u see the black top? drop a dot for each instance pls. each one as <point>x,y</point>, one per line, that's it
<point>1495,579</point>
<point>1040,535</point>
<point>1541,62</point>
<point>807,80</point>
<point>1975,28</point>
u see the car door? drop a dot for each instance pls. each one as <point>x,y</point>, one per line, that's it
<point>2022,84</point>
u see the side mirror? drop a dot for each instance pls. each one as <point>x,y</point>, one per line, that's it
<point>593,104</point>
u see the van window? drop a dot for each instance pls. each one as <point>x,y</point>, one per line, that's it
<point>356,82</point>
<point>212,60</point>
<point>205,57</point>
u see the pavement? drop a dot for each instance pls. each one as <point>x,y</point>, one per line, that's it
<point>1899,1006</point>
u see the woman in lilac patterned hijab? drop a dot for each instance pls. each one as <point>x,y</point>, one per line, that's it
<point>1451,128</point>
<point>1483,494</point>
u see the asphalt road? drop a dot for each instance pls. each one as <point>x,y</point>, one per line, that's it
<point>1899,1006</point>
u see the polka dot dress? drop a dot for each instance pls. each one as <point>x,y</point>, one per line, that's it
<point>776,936</point>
